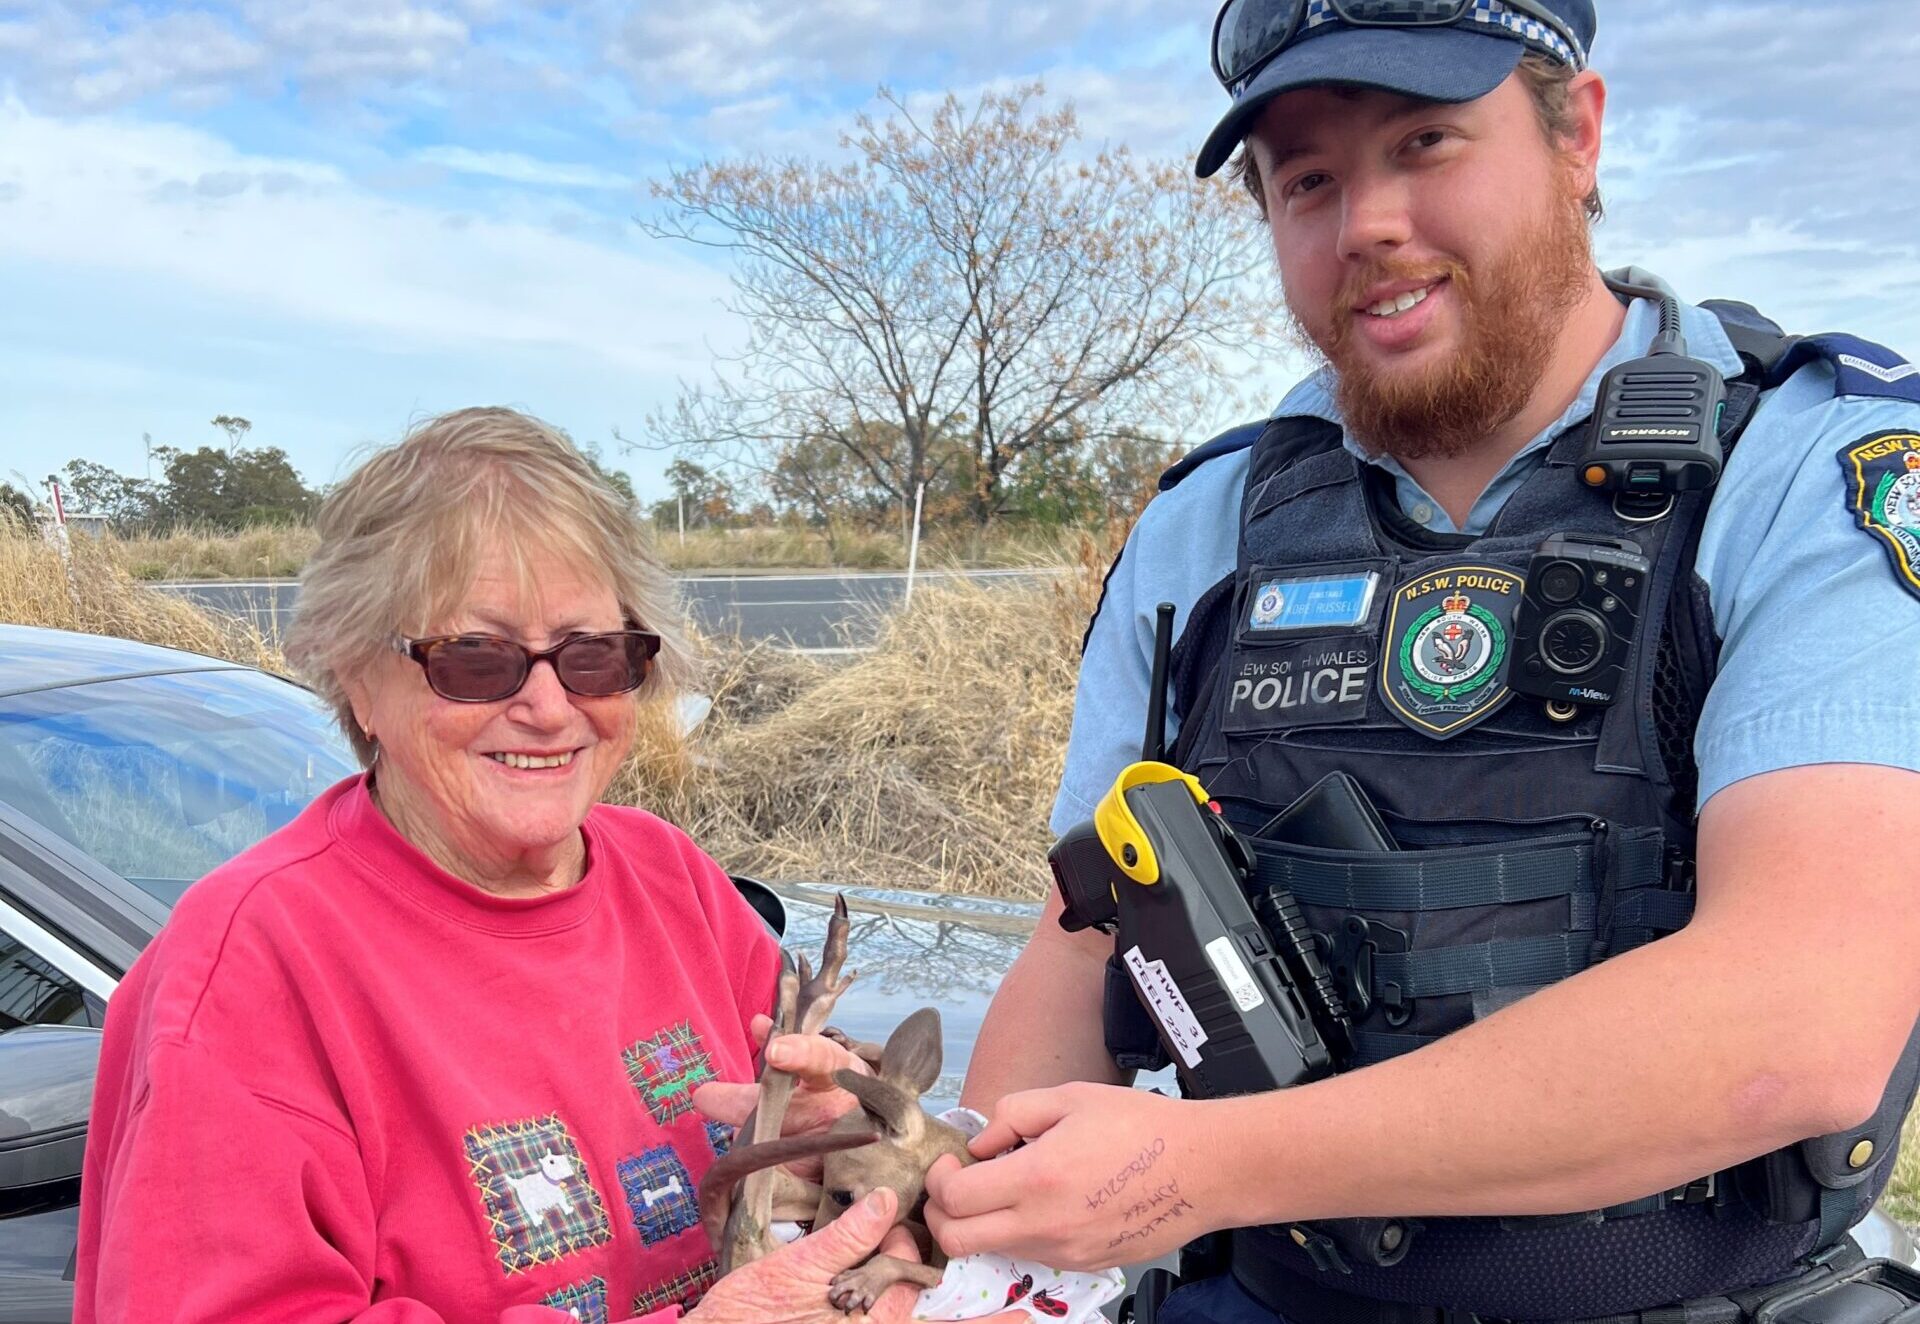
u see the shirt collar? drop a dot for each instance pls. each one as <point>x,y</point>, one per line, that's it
<point>1706,339</point>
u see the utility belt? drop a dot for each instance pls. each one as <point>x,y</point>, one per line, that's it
<point>1844,1287</point>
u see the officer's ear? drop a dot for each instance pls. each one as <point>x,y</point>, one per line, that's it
<point>1581,128</point>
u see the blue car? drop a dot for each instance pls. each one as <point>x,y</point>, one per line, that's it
<point>127,771</point>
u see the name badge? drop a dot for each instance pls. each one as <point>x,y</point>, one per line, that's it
<point>1312,602</point>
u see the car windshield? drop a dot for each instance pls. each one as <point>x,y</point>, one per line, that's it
<point>161,778</point>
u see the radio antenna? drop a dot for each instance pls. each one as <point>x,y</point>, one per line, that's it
<point>1154,748</point>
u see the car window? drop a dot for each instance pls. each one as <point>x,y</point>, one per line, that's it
<point>162,778</point>
<point>32,992</point>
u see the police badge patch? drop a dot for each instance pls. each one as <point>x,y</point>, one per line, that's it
<point>1268,603</point>
<point>1447,640</point>
<point>1883,489</point>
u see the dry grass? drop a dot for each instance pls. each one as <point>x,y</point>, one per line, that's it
<point>930,762</point>
<point>93,592</point>
<point>279,552</point>
<point>267,551</point>
<point>1902,1198</point>
<point>779,549</point>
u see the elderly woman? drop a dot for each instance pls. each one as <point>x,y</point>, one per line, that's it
<point>429,1052</point>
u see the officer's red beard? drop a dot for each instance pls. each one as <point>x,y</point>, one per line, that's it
<point>1513,310</point>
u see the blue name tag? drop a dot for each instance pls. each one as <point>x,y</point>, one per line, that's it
<point>1318,602</point>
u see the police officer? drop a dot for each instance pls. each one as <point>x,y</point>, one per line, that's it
<point>1634,948</point>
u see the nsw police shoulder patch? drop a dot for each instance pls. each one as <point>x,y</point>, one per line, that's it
<point>1448,636</point>
<point>1883,491</point>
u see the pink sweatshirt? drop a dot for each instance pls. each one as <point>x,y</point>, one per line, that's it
<point>344,1085</point>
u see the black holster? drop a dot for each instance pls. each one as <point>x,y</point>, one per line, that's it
<point>1871,1292</point>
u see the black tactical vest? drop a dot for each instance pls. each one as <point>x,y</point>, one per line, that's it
<point>1530,848</point>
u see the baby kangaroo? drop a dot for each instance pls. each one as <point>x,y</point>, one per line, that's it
<point>908,1140</point>
<point>890,1141</point>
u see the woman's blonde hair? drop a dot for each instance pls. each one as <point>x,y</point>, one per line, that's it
<point>403,536</point>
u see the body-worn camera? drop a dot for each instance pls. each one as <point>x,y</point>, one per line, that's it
<point>1577,619</point>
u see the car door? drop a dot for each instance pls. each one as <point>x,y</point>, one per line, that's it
<point>52,1001</point>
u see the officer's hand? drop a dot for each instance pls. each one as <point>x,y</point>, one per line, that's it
<point>1108,1176</point>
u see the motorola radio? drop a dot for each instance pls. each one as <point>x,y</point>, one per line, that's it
<point>1656,419</point>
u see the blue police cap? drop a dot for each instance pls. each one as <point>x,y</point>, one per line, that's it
<point>1460,62</point>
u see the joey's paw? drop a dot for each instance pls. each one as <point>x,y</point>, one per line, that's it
<point>857,1289</point>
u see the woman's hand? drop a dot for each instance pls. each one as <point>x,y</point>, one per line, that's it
<point>790,1286</point>
<point>1108,1176</point>
<point>817,1102</point>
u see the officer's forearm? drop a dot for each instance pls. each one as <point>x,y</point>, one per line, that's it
<point>1635,1077</point>
<point>1777,1014</point>
<point>1044,1026</point>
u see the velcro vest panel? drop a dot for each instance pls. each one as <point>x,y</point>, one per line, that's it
<point>1530,849</point>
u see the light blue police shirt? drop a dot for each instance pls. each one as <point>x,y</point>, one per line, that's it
<point>1820,640</point>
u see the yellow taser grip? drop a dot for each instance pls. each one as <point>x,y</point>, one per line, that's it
<point>1119,829</point>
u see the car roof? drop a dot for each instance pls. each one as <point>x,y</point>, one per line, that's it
<point>35,658</point>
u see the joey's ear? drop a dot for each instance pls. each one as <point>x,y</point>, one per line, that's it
<point>911,1058</point>
<point>897,1111</point>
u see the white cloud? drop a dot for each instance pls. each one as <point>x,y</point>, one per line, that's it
<point>519,169</point>
<point>170,206</point>
<point>191,57</point>
<point>358,41</point>
<point>730,49</point>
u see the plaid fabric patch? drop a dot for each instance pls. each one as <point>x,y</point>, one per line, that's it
<point>720,1136</point>
<point>586,1302</point>
<point>684,1289</point>
<point>539,1202</point>
<point>660,1194</point>
<point>666,1069</point>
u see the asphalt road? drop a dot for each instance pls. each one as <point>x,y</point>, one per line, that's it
<point>814,612</point>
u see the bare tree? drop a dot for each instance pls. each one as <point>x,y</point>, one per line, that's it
<point>234,426</point>
<point>964,290</point>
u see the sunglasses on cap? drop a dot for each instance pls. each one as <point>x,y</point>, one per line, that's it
<point>1248,33</point>
<point>484,668</point>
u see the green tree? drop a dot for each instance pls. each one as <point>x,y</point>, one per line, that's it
<point>263,487</point>
<point>196,488</point>
<point>252,485</point>
<point>822,480</point>
<point>235,427</point>
<point>91,488</point>
<point>613,478</point>
<point>704,496</point>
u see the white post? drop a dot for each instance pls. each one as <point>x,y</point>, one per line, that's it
<point>683,519</point>
<point>59,534</point>
<point>913,545</point>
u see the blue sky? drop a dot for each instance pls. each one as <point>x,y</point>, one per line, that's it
<point>338,217</point>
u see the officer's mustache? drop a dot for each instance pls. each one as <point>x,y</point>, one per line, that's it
<point>1347,307</point>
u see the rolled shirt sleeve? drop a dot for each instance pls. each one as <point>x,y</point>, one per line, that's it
<point>1185,542</point>
<point>1819,634</point>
